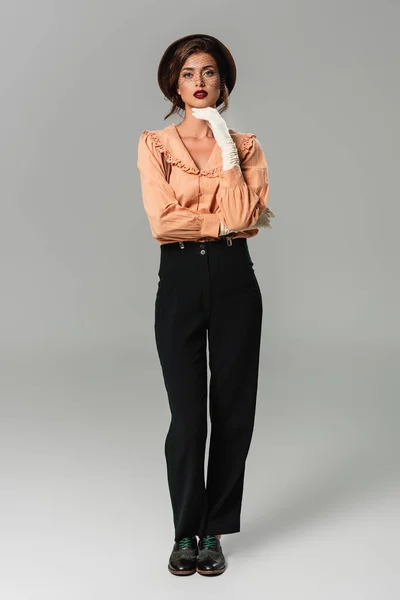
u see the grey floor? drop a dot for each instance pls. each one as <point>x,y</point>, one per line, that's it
<point>85,510</point>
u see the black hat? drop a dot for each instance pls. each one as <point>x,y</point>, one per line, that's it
<point>227,57</point>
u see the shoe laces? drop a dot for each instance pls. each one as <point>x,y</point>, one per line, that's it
<point>209,541</point>
<point>185,542</point>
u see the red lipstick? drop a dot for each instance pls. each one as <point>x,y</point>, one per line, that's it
<point>200,94</point>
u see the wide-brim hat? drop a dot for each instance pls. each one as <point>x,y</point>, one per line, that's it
<point>162,75</point>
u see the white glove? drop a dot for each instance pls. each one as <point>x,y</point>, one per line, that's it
<point>230,157</point>
<point>264,220</point>
<point>223,230</point>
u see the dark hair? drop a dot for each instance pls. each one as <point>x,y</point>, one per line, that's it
<point>179,58</point>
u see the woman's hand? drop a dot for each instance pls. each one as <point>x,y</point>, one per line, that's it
<point>230,157</point>
<point>216,123</point>
<point>264,220</point>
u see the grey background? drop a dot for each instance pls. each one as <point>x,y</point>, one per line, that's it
<point>84,504</point>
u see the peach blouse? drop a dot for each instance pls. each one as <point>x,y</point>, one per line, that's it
<point>183,202</point>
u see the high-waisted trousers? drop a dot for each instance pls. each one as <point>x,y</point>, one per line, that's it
<point>208,289</point>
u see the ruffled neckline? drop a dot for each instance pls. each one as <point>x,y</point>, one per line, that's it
<point>169,142</point>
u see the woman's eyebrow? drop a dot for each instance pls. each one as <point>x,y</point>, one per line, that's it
<point>192,68</point>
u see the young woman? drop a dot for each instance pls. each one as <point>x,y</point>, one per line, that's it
<point>205,189</point>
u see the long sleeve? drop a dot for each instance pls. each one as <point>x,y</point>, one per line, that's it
<point>168,219</point>
<point>243,191</point>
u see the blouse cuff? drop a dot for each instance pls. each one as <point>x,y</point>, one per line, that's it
<point>210,225</point>
<point>232,177</point>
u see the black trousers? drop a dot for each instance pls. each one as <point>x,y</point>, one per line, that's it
<point>208,288</point>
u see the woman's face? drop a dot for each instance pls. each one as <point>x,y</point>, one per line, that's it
<point>200,72</point>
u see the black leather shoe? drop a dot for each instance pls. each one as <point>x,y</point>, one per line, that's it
<point>210,558</point>
<point>183,556</point>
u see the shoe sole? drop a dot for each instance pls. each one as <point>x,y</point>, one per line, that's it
<point>175,572</point>
<point>210,573</point>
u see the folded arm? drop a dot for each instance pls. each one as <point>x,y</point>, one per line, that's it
<point>168,219</point>
<point>243,193</point>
